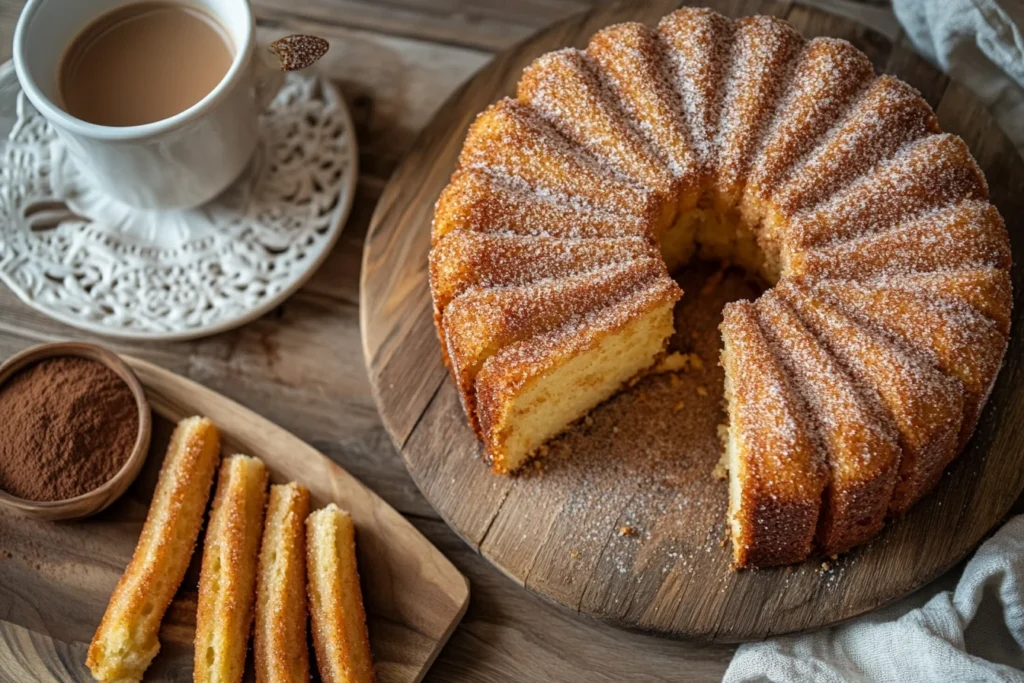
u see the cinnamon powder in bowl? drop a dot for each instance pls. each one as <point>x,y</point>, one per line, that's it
<point>70,423</point>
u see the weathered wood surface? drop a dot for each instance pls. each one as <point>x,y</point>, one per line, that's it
<point>56,578</point>
<point>596,531</point>
<point>302,365</point>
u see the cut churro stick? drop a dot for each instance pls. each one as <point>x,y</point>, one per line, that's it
<point>335,599</point>
<point>280,637</point>
<point>227,578</point>
<point>126,640</point>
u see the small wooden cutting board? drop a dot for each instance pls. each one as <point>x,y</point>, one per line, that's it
<point>55,579</point>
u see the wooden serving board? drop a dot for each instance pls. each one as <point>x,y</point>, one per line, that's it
<point>55,579</point>
<point>637,539</point>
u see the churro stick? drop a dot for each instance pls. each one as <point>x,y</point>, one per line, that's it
<point>126,640</point>
<point>335,599</point>
<point>280,637</point>
<point>227,578</point>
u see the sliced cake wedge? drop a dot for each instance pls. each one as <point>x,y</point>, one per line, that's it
<point>776,474</point>
<point>532,390</point>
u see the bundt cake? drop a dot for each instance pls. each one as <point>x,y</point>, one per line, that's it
<point>851,382</point>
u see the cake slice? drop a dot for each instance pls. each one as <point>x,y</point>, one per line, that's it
<point>964,344</point>
<point>966,235</point>
<point>476,201</point>
<point>860,443</point>
<point>930,173</point>
<point>482,321</point>
<point>531,391</point>
<point>564,89</point>
<point>925,405</point>
<point>776,475</point>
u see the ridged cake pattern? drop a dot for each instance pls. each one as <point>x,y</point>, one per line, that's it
<point>925,404</point>
<point>851,383</point>
<point>630,60</point>
<point>860,443</point>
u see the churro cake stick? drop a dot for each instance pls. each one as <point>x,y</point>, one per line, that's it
<point>335,599</point>
<point>127,638</point>
<point>280,635</point>
<point>227,579</point>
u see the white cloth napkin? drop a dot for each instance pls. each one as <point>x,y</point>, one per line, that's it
<point>980,44</point>
<point>971,628</point>
<point>974,632</point>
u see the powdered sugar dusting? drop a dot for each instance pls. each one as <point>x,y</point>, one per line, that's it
<point>767,414</point>
<point>860,442</point>
<point>929,173</point>
<point>509,139</point>
<point>761,58</point>
<point>563,88</point>
<point>970,234</point>
<point>924,404</point>
<point>479,202</point>
<point>630,61</point>
<point>886,117</point>
<point>464,259</point>
<point>827,77</point>
<point>962,343</point>
<point>699,42</point>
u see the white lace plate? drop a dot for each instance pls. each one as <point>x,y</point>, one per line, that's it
<point>94,263</point>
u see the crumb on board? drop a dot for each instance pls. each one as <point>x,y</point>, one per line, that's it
<point>679,362</point>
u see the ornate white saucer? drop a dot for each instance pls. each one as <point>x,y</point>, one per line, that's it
<point>94,263</point>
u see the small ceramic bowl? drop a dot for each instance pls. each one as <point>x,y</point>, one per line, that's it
<point>93,501</point>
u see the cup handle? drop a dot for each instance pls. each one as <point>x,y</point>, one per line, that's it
<point>290,53</point>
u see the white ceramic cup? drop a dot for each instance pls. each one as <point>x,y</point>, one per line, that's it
<point>177,162</point>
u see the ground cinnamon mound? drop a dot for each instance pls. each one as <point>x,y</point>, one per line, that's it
<point>68,425</point>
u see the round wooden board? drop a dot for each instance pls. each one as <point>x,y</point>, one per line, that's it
<point>560,532</point>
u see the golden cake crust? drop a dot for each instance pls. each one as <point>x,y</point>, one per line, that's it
<point>966,235</point>
<point>888,115</point>
<point>630,59</point>
<point>963,343</point>
<point>828,75</point>
<point>925,405</point>
<point>930,173</point>
<point>564,88</point>
<point>512,140</point>
<point>862,445</point>
<point>762,53</point>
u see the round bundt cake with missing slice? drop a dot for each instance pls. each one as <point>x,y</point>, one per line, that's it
<point>851,383</point>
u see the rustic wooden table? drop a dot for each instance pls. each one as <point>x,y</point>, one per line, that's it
<point>301,366</point>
